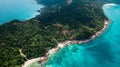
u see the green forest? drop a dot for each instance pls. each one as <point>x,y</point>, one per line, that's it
<point>57,22</point>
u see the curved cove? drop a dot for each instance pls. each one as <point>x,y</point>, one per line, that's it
<point>18,9</point>
<point>103,51</point>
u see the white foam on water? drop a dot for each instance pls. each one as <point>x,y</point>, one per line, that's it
<point>109,5</point>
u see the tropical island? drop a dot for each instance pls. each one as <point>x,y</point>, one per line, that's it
<point>59,21</point>
<point>42,60</point>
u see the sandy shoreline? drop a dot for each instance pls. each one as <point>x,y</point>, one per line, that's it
<point>63,44</point>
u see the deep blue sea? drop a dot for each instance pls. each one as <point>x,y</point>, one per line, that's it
<point>18,9</point>
<point>103,51</point>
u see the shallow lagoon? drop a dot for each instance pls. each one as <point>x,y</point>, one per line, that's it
<point>103,51</point>
<point>18,9</point>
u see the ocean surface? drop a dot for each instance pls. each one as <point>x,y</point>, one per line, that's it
<point>103,51</point>
<point>18,9</point>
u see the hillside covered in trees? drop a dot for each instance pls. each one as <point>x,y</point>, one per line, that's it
<point>58,21</point>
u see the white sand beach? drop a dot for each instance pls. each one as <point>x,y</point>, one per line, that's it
<point>63,44</point>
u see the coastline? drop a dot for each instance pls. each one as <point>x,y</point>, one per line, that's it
<point>60,45</point>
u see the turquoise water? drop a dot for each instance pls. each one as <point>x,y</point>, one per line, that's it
<point>18,9</point>
<point>103,51</point>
